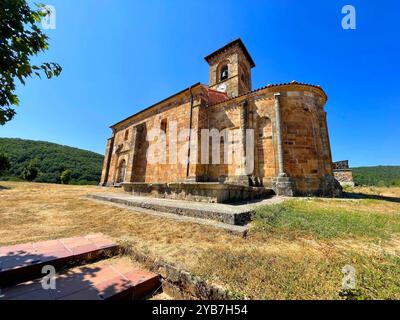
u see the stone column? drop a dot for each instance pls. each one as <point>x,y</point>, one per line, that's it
<point>281,171</point>
<point>243,127</point>
<point>283,185</point>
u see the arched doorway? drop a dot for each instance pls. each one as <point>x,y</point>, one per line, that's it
<point>121,171</point>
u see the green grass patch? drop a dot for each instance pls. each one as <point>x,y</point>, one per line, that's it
<point>306,217</point>
<point>261,275</point>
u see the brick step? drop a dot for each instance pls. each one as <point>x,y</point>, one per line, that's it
<point>111,279</point>
<point>23,262</point>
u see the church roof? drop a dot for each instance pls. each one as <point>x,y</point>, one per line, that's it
<point>231,44</point>
<point>294,82</point>
<point>215,96</point>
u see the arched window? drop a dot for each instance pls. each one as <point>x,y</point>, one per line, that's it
<point>224,73</point>
<point>121,171</point>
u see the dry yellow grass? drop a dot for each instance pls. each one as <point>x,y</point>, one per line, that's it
<point>259,266</point>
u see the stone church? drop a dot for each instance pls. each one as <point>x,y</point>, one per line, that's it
<point>290,149</point>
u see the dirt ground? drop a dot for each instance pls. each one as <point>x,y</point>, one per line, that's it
<point>264,265</point>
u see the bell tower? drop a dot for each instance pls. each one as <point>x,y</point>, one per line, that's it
<point>230,69</point>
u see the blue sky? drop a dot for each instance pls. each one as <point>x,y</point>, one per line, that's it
<point>120,56</point>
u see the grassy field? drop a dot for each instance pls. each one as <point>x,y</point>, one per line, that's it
<point>295,250</point>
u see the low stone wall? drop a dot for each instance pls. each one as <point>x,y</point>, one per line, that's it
<point>197,191</point>
<point>180,284</point>
<point>326,186</point>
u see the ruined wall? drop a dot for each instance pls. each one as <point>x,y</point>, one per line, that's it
<point>343,173</point>
<point>345,177</point>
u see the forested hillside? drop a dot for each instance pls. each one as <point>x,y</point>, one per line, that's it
<point>377,176</point>
<point>52,159</point>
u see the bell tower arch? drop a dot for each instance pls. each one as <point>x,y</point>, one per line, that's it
<point>230,69</point>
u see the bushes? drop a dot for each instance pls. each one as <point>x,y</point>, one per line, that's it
<point>31,170</point>
<point>4,163</point>
<point>382,176</point>
<point>65,177</point>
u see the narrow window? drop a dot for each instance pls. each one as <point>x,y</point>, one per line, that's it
<point>126,134</point>
<point>164,125</point>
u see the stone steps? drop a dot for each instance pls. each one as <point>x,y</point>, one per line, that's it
<point>24,262</point>
<point>112,279</point>
<point>85,271</point>
<point>232,214</point>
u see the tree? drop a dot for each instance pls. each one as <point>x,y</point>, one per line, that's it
<point>20,39</point>
<point>4,163</point>
<point>66,176</point>
<point>31,170</point>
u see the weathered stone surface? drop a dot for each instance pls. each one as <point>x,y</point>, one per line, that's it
<point>179,283</point>
<point>331,187</point>
<point>283,186</point>
<point>343,173</point>
<point>345,177</point>
<point>238,214</point>
<point>198,191</point>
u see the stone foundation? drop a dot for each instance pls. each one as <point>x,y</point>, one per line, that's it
<point>197,191</point>
<point>327,186</point>
<point>283,186</point>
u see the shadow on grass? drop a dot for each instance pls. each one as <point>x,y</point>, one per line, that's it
<point>354,195</point>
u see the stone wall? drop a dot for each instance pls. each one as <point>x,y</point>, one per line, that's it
<point>345,177</point>
<point>199,192</point>
<point>130,145</point>
<point>178,283</point>
<point>307,156</point>
<point>106,164</point>
<point>343,173</point>
<point>306,147</point>
<point>340,165</point>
